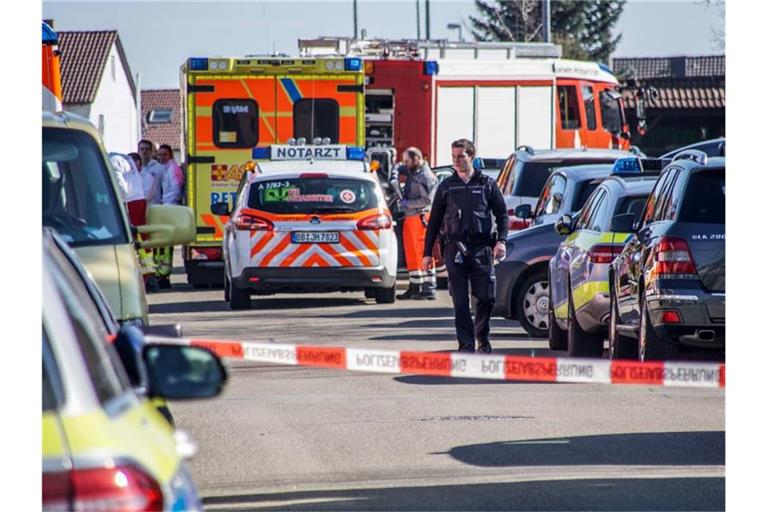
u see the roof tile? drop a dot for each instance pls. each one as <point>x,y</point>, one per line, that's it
<point>161,133</point>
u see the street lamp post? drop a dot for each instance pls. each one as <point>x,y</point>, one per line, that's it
<point>456,26</point>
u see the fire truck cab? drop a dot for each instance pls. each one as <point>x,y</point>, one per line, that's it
<point>233,106</point>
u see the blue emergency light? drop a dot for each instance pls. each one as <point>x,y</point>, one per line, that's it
<point>478,163</point>
<point>49,35</point>
<point>605,68</point>
<point>261,153</point>
<point>355,153</point>
<point>353,64</point>
<point>431,67</point>
<point>629,165</point>
<point>198,64</point>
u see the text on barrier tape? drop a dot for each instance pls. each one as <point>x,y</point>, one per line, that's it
<point>478,366</point>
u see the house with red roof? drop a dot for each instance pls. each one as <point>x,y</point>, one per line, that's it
<point>161,118</point>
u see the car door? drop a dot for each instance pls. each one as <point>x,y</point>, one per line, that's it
<point>588,235</point>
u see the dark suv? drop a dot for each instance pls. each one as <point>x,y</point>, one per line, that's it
<point>667,287</point>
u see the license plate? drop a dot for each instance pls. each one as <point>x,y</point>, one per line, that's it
<point>315,237</point>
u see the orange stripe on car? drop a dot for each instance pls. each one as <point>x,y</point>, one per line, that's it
<point>274,252</point>
<point>288,261</point>
<point>263,241</point>
<point>349,246</point>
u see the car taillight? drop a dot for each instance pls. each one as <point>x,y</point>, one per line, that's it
<point>603,253</point>
<point>373,222</point>
<point>123,487</point>
<point>206,253</point>
<point>251,223</point>
<point>671,256</point>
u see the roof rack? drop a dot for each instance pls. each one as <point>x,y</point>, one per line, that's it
<point>526,148</point>
<point>696,155</point>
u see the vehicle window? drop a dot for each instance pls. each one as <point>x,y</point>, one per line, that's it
<point>597,215</point>
<point>569,107</point>
<point>631,204</point>
<point>674,198</point>
<point>663,200</point>
<point>528,178</point>
<point>704,200</point>
<point>653,199</point>
<point>585,190</point>
<point>107,375</point>
<point>589,106</point>
<point>53,389</point>
<point>235,123</point>
<point>312,195</point>
<point>316,117</point>
<point>79,199</point>
<point>610,111</point>
<point>504,180</point>
<point>552,196</point>
<point>586,211</point>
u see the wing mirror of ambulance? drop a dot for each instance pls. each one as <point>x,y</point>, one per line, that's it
<point>168,225</point>
<point>221,208</point>
<point>523,211</point>
<point>564,225</point>
<point>623,223</point>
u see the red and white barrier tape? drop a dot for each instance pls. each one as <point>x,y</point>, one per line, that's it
<point>477,366</point>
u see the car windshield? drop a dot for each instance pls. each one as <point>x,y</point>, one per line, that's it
<point>704,200</point>
<point>79,201</point>
<point>312,195</point>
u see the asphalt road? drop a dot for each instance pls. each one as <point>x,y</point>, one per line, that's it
<point>298,438</point>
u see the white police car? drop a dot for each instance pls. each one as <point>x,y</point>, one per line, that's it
<point>311,219</point>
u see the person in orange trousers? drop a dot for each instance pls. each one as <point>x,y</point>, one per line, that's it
<point>420,185</point>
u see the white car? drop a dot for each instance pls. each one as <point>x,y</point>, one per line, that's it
<point>302,225</point>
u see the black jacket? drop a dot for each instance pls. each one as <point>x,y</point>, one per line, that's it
<point>462,211</point>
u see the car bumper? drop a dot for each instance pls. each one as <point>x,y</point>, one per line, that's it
<point>594,316</point>
<point>702,316</point>
<point>507,273</point>
<point>315,279</point>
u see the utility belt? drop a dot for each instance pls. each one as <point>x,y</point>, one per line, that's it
<point>464,245</point>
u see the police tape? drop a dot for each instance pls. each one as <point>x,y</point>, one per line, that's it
<point>475,366</point>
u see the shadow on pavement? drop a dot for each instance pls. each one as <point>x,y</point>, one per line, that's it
<point>427,380</point>
<point>259,304</point>
<point>387,311</point>
<point>641,449</point>
<point>620,494</point>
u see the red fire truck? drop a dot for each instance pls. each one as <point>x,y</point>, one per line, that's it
<point>501,95</point>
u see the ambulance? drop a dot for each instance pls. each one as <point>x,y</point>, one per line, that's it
<point>232,108</point>
<point>500,95</point>
<point>311,219</point>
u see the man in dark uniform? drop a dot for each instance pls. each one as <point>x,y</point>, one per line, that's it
<point>461,215</point>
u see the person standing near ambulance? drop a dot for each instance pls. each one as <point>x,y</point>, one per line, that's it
<point>462,212</point>
<point>151,172</point>
<point>416,201</point>
<point>171,188</point>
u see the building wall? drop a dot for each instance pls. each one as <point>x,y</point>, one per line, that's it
<point>115,101</point>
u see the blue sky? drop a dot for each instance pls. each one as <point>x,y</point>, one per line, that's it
<point>159,36</point>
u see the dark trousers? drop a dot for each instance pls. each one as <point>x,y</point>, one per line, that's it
<point>475,268</point>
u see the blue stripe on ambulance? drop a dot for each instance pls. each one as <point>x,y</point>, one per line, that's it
<point>290,87</point>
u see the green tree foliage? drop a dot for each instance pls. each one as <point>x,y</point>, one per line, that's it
<point>583,28</point>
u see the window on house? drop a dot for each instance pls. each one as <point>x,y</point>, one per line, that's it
<point>101,124</point>
<point>159,116</point>
<point>113,68</point>
<point>314,117</point>
<point>569,107</point>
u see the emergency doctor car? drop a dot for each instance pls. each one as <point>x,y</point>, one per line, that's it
<point>311,219</point>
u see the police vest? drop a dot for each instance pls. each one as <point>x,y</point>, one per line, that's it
<point>468,215</point>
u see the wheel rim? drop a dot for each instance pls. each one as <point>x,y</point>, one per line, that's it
<point>643,332</point>
<point>612,331</point>
<point>536,305</point>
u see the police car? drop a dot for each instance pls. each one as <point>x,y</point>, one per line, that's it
<point>308,219</point>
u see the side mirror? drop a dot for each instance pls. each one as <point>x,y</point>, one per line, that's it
<point>523,211</point>
<point>164,330</point>
<point>168,225</point>
<point>624,223</point>
<point>181,372</point>
<point>564,225</point>
<point>220,208</point>
<point>129,343</point>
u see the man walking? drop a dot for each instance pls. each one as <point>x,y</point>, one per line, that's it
<point>461,214</point>
<point>416,201</point>
<point>171,187</point>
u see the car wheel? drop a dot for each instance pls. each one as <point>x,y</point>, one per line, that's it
<point>580,342</point>
<point>558,338</point>
<point>442,283</point>
<point>370,293</point>
<point>532,305</point>
<point>226,287</point>
<point>651,346</point>
<point>619,346</point>
<point>238,297</point>
<point>385,295</point>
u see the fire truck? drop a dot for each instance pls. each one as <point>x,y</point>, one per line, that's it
<point>232,106</point>
<point>500,95</point>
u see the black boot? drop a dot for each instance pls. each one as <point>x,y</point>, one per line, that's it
<point>409,293</point>
<point>484,347</point>
<point>426,292</point>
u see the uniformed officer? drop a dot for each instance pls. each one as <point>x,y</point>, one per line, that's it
<point>416,200</point>
<point>461,215</point>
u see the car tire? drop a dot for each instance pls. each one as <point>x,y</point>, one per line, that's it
<point>528,306</point>
<point>238,297</point>
<point>580,342</point>
<point>226,287</point>
<point>558,338</point>
<point>651,346</point>
<point>619,346</point>
<point>442,283</point>
<point>370,293</point>
<point>385,295</point>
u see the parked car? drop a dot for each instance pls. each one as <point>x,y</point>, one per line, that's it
<point>82,203</point>
<point>522,283</point>
<point>667,287</point>
<point>104,445</point>
<point>712,147</point>
<point>526,171</point>
<point>578,273</point>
